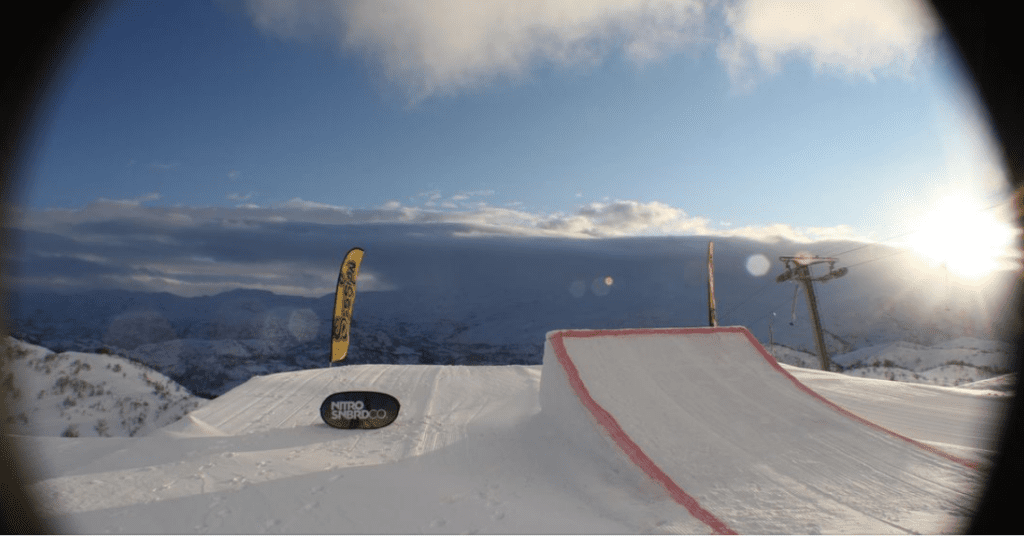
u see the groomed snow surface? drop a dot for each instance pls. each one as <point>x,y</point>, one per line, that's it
<point>692,430</point>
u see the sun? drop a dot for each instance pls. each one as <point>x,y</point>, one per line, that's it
<point>964,237</point>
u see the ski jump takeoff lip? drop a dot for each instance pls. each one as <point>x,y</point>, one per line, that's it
<point>641,459</point>
<point>359,409</point>
<point>622,439</point>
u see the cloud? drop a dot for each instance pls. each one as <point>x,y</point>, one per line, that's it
<point>448,46</point>
<point>777,232</point>
<point>594,220</point>
<point>301,204</point>
<point>434,199</point>
<point>625,218</point>
<point>432,195</point>
<point>861,38</point>
<point>134,202</point>
<point>293,248</point>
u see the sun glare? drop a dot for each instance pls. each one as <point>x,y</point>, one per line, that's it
<point>964,237</point>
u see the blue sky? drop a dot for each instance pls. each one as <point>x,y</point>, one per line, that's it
<point>744,118</point>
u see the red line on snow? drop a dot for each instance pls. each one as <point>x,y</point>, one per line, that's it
<point>632,450</point>
<point>775,364</point>
<point>637,455</point>
<point>567,364</point>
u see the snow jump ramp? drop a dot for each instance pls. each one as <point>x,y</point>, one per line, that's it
<point>742,445</point>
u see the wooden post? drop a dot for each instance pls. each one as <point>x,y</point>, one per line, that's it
<point>712,320</point>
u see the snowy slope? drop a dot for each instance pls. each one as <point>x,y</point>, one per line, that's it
<point>956,362</point>
<point>969,416</point>
<point>469,452</point>
<point>966,350</point>
<point>77,394</point>
<point>472,451</point>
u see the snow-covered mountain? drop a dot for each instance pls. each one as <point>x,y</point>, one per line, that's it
<point>491,300</point>
<point>73,394</point>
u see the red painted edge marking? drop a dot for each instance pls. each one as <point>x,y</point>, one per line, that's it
<point>775,365</point>
<point>632,450</point>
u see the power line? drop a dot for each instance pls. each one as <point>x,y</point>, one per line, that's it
<point>880,258</point>
<point>752,296</point>
<point>762,317</point>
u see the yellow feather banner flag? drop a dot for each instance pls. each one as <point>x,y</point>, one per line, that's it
<point>344,298</point>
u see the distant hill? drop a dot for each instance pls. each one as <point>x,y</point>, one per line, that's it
<point>490,301</point>
<point>964,362</point>
<point>76,394</point>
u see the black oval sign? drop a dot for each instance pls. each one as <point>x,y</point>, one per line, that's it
<point>359,409</point>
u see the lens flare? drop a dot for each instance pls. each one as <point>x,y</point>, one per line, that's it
<point>758,265</point>
<point>964,237</point>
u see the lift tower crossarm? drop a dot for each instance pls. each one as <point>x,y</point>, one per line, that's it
<point>799,268</point>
